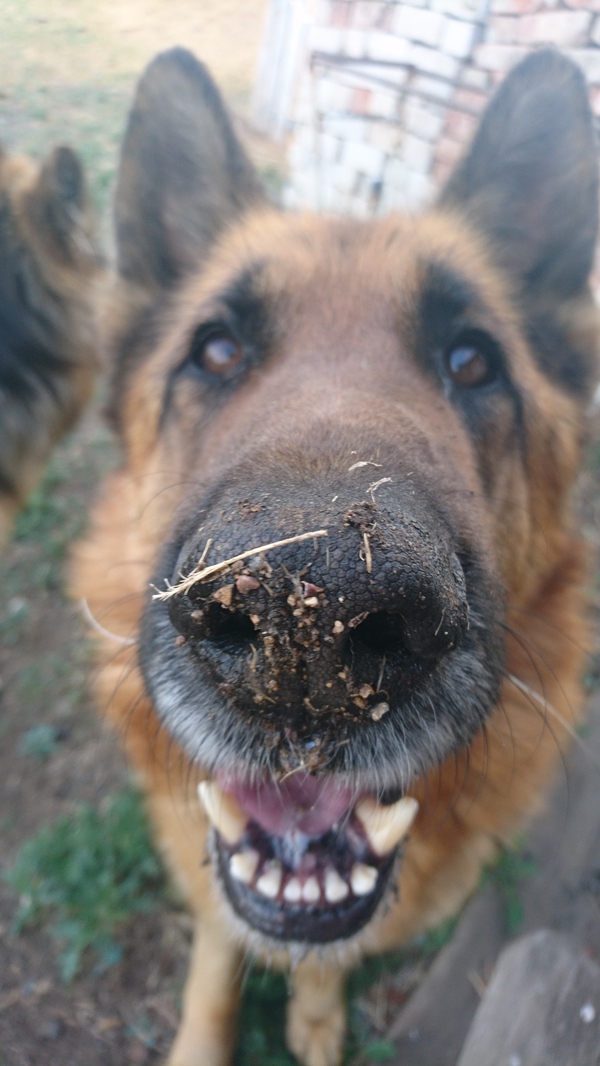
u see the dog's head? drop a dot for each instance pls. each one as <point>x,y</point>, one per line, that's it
<point>363,436</point>
<point>49,266</point>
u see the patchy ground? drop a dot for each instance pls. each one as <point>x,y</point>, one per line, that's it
<point>69,66</point>
<point>67,75</point>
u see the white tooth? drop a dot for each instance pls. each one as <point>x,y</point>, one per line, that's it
<point>293,891</point>
<point>223,811</point>
<point>386,826</point>
<point>269,882</point>
<point>336,888</point>
<point>243,865</point>
<point>362,879</point>
<point>311,891</point>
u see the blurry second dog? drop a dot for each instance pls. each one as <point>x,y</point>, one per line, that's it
<point>49,267</point>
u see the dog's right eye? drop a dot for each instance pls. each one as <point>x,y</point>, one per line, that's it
<point>472,361</point>
<point>217,354</point>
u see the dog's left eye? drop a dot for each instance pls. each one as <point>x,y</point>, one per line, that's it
<point>470,363</point>
<point>217,354</point>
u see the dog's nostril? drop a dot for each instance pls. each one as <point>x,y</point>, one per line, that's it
<point>382,632</point>
<point>422,640</point>
<point>230,630</point>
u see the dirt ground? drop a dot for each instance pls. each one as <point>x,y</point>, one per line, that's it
<point>71,40</point>
<point>68,67</point>
<point>66,74</point>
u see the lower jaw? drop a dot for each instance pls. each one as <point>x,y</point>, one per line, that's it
<point>301,923</point>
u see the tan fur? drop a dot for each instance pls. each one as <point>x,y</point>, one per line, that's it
<point>475,799</point>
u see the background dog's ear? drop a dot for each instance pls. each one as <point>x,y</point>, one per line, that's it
<point>60,204</point>
<point>183,173</point>
<point>530,179</point>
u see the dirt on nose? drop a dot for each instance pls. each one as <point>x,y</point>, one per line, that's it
<point>333,621</point>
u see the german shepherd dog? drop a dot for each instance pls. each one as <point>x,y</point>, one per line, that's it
<point>341,538</point>
<point>48,351</point>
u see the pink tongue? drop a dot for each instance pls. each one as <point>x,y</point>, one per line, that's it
<point>300,802</point>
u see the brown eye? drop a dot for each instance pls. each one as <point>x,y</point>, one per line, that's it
<point>219,355</point>
<point>469,365</point>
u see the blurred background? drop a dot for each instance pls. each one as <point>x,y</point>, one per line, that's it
<point>378,100</point>
<point>349,107</point>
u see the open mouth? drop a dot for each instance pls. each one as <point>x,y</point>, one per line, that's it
<point>304,859</point>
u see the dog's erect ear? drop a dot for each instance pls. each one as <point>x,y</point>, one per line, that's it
<point>60,205</point>
<point>530,180</point>
<point>183,173</point>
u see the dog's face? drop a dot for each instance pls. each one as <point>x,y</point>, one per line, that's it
<point>49,268</point>
<point>400,402</point>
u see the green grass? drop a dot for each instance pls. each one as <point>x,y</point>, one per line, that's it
<point>46,103</point>
<point>437,938</point>
<point>508,873</point>
<point>53,518</point>
<point>13,620</point>
<point>261,1022</point>
<point>591,676</point>
<point>50,670</point>
<point>378,1050</point>
<point>85,876</point>
<point>55,674</point>
<point>261,1027</point>
<point>593,457</point>
<point>45,514</point>
<point>273,180</point>
<point>41,741</point>
<point>145,1031</point>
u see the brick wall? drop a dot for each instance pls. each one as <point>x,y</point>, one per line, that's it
<point>383,95</point>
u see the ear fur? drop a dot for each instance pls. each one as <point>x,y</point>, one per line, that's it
<point>183,173</point>
<point>60,203</point>
<point>530,179</point>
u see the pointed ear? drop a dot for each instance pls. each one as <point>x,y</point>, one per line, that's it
<point>60,204</point>
<point>183,173</point>
<point>530,179</point>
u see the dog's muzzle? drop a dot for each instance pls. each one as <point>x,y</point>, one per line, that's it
<point>314,681</point>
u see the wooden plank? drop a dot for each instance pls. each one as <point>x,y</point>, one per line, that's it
<point>564,844</point>
<point>430,1030</point>
<point>542,1008</point>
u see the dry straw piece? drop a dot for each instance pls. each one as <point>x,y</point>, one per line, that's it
<point>200,573</point>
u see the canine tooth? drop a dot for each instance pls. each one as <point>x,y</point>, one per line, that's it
<point>223,810</point>
<point>362,879</point>
<point>293,891</point>
<point>269,882</point>
<point>243,865</point>
<point>386,826</point>
<point>336,888</point>
<point>311,891</point>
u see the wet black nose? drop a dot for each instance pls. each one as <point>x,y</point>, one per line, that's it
<point>343,621</point>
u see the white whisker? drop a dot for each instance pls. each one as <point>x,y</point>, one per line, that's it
<point>547,706</point>
<point>87,614</point>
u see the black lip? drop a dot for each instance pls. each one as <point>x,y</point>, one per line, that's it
<point>301,923</point>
